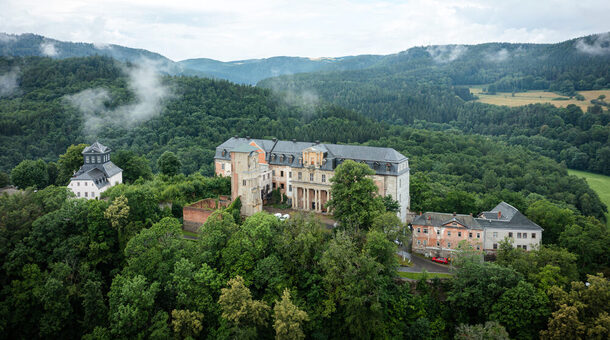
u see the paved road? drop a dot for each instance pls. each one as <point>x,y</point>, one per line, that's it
<point>419,264</point>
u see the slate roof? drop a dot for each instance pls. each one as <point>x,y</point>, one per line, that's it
<point>96,147</point>
<point>383,160</point>
<point>434,219</point>
<point>244,148</point>
<point>96,172</point>
<point>510,218</point>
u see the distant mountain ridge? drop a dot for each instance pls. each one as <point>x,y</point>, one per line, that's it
<point>251,71</point>
<point>27,45</point>
<point>464,64</point>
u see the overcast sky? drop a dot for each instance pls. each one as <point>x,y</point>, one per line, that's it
<point>244,29</point>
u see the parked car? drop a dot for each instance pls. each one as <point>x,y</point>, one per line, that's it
<point>443,260</point>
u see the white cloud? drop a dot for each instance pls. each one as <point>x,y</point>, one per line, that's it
<point>498,56</point>
<point>446,53</point>
<point>599,46</point>
<point>150,96</point>
<point>48,48</point>
<point>8,83</point>
<point>241,29</point>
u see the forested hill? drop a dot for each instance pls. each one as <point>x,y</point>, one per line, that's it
<point>32,45</point>
<point>462,173</point>
<point>253,70</point>
<point>427,84</point>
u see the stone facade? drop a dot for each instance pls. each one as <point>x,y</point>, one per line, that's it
<point>438,234</point>
<point>302,171</point>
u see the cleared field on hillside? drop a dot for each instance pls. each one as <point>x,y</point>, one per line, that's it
<point>599,183</point>
<point>532,97</point>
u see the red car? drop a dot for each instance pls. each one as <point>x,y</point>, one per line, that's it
<point>442,260</point>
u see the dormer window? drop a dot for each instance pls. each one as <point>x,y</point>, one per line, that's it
<point>224,152</point>
<point>87,159</point>
<point>388,166</point>
<point>281,158</point>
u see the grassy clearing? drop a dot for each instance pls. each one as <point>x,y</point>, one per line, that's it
<point>189,233</point>
<point>600,184</point>
<point>417,276</point>
<point>532,97</point>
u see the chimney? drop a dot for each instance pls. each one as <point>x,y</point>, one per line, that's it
<point>274,139</point>
<point>454,214</point>
<point>294,140</point>
<point>247,137</point>
<point>429,217</point>
<point>470,214</point>
<point>317,141</point>
<point>420,213</point>
<point>499,214</point>
<point>236,136</point>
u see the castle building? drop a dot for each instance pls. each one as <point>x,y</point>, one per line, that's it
<point>97,173</point>
<point>438,234</point>
<point>302,171</point>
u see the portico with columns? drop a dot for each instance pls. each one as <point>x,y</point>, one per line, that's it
<point>310,197</point>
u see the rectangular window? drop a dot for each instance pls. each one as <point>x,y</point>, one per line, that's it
<point>418,242</point>
<point>419,230</point>
<point>92,194</point>
<point>282,185</point>
<point>495,234</point>
<point>86,193</point>
<point>448,233</point>
<point>469,235</point>
<point>524,247</point>
<point>99,159</point>
<point>273,172</point>
<point>459,234</point>
<point>300,176</point>
<point>223,167</point>
<point>78,194</point>
<point>518,235</point>
<point>533,235</point>
<point>290,188</point>
<point>243,182</point>
<point>510,234</point>
<point>425,243</point>
<point>281,173</point>
<point>323,178</point>
<point>478,235</point>
<point>478,247</point>
<point>311,177</point>
<point>495,246</point>
<point>449,245</point>
<point>78,184</point>
<point>289,174</point>
<point>524,235</point>
<point>438,232</point>
<point>87,159</point>
<point>438,244</point>
<point>425,230</point>
<point>518,246</point>
<point>85,183</point>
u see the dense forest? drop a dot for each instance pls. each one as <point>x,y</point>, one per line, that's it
<point>430,85</point>
<point>121,268</point>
